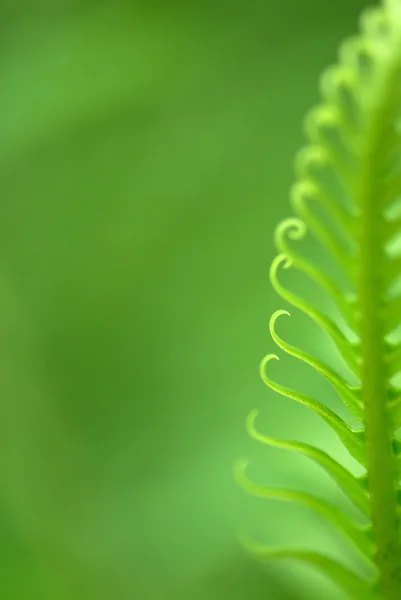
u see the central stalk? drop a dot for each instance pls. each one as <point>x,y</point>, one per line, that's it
<point>381,460</point>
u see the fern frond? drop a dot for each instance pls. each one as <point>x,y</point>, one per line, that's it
<point>355,586</point>
<point>347,196</point>
<point>352,440</point>
<point>358,535</point>
<point>296,230</point>
<point>351,485</point>
<point>303,191</point>
<point>347,350</point>
<point>349,395</point>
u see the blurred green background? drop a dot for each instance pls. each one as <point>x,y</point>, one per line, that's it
<point>146,155</point>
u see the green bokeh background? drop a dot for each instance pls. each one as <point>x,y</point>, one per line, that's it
<point>146,154</point>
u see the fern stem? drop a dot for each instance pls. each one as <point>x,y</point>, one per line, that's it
<point>381,460</point>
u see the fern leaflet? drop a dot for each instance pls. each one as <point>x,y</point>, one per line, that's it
<point>347,196</point>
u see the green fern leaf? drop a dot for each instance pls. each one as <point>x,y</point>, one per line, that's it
<point>347,196</point>
<point>351,583</point>
<point>352,486</point>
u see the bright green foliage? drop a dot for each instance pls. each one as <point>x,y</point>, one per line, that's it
<point>347,195</point>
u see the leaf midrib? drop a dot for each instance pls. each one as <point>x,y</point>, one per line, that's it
<point>381,460</point>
